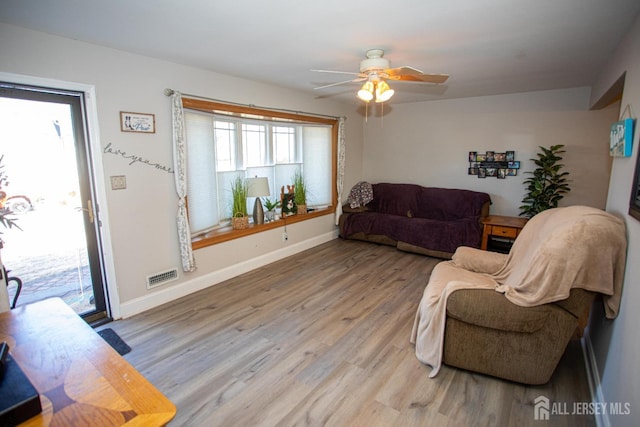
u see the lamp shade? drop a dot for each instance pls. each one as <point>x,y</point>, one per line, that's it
<point>383,91</point>
<point>366,92</point>
<point>258,187</point>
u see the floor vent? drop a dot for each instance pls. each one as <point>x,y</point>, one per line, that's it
<point>162,278</point>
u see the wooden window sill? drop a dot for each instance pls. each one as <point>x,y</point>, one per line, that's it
<point>224,234</point>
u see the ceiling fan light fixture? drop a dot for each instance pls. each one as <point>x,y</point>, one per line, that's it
<point>383,91</point>
<point>366,91</point>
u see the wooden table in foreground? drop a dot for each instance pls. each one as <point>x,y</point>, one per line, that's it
<point>80,378</point>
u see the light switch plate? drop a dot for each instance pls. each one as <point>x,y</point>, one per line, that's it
<point>118,182</point>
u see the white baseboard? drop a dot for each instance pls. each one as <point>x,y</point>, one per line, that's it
<point>593,377</point>
<point>164,296</point>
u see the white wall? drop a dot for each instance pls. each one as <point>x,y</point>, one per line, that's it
<point>428,143</point>
<point>616,343</point>
<point>142,217</point>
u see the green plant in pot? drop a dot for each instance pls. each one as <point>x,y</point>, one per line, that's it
<point>6,218</point>
<point>548,184</point>
<point>239,193</point>
<point>271,206</point>
<point>300,192</point>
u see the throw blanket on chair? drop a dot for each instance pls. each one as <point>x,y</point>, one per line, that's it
<point>558,250</point>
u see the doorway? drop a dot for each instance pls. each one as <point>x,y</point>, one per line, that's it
<point>54,249</point>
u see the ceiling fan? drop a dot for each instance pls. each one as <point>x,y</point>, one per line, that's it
<point>375,72</point>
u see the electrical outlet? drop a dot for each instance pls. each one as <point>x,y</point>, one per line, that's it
<point>118,182</point>
<point>285,236</point>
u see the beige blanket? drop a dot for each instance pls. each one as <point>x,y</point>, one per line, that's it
<point>559,249</point>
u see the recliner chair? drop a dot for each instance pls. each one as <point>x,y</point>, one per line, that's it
<point>512,316</point>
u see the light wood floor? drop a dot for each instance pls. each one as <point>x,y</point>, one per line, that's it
<point>322,338</point>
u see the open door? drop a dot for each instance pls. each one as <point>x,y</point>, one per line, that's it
<point>44,152</point>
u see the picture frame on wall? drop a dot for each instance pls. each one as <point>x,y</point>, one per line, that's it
<point>137,122</point>
<point>510,156</point>
<point>621,138</point>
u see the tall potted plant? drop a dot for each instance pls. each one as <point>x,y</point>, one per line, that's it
<point>239,193</point>
<point>548,184</point>
<point>300,192</point>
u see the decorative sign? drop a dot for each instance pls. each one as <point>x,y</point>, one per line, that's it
<point>133,158</point>
<point>621,138</point>
<point>492,164</point>
<point>137,122</point>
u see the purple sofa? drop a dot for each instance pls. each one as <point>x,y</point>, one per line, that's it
<point>426,220</point>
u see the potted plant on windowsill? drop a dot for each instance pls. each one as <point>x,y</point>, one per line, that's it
<point>300,192</point>
<point>548,185</point>
<point>239,192</point>
<point>271,206</point>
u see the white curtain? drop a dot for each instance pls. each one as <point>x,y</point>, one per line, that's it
<point>341,161</point>
<point>180,173</point>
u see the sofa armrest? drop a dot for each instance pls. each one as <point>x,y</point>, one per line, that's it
<point>348,209</point>
<point>490,309</point>
<point>477,260</point>
<point>484,212</point>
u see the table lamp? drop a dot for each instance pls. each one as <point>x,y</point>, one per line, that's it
<point>258,187</point>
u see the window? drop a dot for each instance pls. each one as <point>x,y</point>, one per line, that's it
<point>224,142</point>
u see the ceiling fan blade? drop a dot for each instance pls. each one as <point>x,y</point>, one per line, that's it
<point>340,83</point>
<point>411,74</point>
<point>336,72</point>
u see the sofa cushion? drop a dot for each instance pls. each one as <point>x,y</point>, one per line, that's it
<point>395,199</point>
<point>427,233</point>
<point>446,204</point>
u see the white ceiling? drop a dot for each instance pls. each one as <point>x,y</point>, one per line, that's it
<point>487,46</point>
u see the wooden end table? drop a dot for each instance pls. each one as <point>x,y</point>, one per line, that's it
<point>507,227</point>
<point>80,378</point>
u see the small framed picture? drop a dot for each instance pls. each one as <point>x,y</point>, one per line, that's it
<point>492,171</point>
<point>137,122</point>
<point>510,156</point>
<point>499,157</point>
<point>473,171</point>
<point>472,156</point>
<point>512,172</point>
<point>621,138</point>
<point>514,165</point>
<point>490,156</point>
<point>482,173</point>
<point>502,173</point>
<point>481,158</point>
<point>288,205</point>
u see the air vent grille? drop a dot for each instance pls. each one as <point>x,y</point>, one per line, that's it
<point>162,278</point>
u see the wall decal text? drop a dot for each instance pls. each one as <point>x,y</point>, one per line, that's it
<point>133,159</point>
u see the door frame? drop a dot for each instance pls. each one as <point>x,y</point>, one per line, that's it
<point>95,164</point>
